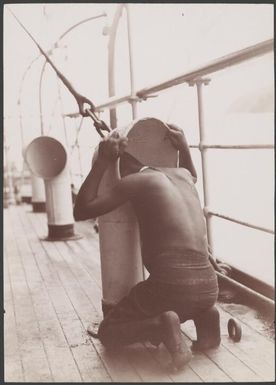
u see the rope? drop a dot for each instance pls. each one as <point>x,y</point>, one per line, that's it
<point>81,100</point>
<point>52,116</point>
<point>76,145</point>
<point>77,136</point>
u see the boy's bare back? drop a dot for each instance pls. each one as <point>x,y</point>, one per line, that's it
<point>168,209</point>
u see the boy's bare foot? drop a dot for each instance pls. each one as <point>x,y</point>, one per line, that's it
<point>92,330</point>
<point>173,340</point>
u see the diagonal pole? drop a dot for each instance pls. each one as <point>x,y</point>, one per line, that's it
<point>81,100</point>
<point>60,75</point>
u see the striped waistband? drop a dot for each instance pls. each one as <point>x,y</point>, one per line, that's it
<point>177,256</point>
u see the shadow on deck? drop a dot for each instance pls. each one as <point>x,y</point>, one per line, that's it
<point>52,291</point>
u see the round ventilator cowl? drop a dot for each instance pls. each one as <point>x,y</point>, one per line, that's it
<point>46,157</point>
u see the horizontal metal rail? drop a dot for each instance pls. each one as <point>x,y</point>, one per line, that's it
<point>233,146</point>
<point>219,64</point>
<point>266,230</point>
<point>246,289</point>
<point>214,66</point>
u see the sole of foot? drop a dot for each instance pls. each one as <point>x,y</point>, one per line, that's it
<point>173,340</point>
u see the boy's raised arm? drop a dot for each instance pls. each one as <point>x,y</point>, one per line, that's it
<point>88,204</point>
<point>177,137</point>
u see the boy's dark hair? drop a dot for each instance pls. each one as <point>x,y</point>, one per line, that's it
<point>128,164</point>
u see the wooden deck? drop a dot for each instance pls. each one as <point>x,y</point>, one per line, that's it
<point>52,291</point>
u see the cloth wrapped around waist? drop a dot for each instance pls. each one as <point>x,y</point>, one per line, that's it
<point>187,269</point>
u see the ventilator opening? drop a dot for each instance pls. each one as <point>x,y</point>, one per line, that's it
<point>46,157</point>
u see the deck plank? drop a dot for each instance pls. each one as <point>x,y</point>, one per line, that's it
<point>149,369</point>
<point>113,361</point>
<point>85,278</point>
<point>229,363</point>
<point>76,280</point>
<point>55,345</point>
<point>64,309</point>
<point>207,369</point>
<point>69,302</point>
<point>187,374</point>
<point>265,353</point>
<point>33,355</point>
<point>13,363</point>
<point>54,292</point>
<point>90,261</point>
<point>90,364</point>
<point>84,275</point>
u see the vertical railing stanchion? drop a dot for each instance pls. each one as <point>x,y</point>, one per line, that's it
<point>38,188</point>
<point>64,125</point>
<point>62,114</point>
<point>198,83</point>
<point>42,131</point>
<point>22,140</point>
<point>111,54</point>
<point>133,100</point>
<point>78,148</point>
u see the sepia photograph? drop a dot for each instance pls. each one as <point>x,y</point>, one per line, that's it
<point>138,192</point>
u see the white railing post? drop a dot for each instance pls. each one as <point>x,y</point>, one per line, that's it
<point>64,126</point>
<point>133,100</point>
<point>198,83</point>
<point>111,56</point>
